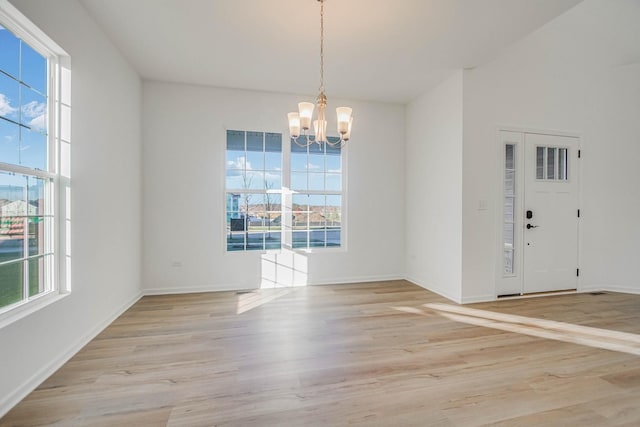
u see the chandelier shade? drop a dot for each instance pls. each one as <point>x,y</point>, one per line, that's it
<point>300,121</point>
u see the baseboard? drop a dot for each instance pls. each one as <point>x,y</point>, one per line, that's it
<point>356,279</point>
<point>194,289</point>
<point>230,288</point>
<point>608,288</point>
<point>433,289</point>
<point>46,371</point>
<point>478,298</point>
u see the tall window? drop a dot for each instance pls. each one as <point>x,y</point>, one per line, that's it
<point>27,174</point>
<point>261,186</point>
<point>253,190</point>
<point>316,184</point>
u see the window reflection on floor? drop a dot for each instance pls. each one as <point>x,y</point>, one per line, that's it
<point>250,300</point>
<point>542,328</point>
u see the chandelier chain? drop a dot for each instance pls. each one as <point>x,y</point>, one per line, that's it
<point>300,122</point>
<point>321,45</point>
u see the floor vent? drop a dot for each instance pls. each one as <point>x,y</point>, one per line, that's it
<point>243,292</point>
<point>597,293</point>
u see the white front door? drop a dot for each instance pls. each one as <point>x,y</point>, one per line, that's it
<point>550,217</point>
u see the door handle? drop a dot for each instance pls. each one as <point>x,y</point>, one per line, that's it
<point>529,226</point>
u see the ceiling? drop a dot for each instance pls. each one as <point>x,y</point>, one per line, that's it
<point>375,50</point>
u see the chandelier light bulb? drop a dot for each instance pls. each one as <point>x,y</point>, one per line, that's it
<point>347,136</point>
<point>306,113</point>
<point>294,124</point>
<point>320,128</point>
<point>344,118</point>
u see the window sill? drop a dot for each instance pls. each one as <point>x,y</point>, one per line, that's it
<point>319,250</point>
<point>25,309</point>
<point>316,250</point>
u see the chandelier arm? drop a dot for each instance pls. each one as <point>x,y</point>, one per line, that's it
<point>303,145</point>
<point>339,143</point>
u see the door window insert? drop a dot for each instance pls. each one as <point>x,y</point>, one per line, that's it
<point>552,163</point>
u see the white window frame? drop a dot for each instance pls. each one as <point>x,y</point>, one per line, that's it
<point>341,193</point>
<point>286,200</point>
<point>245,191</point>
<point>58,143</point>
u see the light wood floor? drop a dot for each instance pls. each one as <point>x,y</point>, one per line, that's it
<point>369,354</point>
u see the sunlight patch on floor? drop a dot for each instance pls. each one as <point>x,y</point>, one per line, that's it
<point>284,269</point>
<point>542,328</point>
<point>250,300</point>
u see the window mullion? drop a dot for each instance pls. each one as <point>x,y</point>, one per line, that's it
<point>286,198</point>
<point>25,236</point>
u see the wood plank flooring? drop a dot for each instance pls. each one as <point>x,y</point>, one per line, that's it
<point>363,354</point>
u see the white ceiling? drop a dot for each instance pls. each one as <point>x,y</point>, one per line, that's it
<point>377,50</point>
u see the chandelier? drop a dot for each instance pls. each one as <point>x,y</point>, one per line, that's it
<point>301,120</point>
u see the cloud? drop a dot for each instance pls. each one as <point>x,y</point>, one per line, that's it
<point>5,106</point>
<point>39,123</point>
<point>311,166</point>
<point>251,178</point>
<point>34,109</point>
<point>37,112</point>
<point>272,176</point>
<point>239,163</point>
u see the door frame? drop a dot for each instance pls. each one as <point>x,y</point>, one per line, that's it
<point>513,285</point>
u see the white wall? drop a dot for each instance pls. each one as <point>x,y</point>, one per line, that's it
<point>611,233</point>
<point>184,133</point>
<point>433,179</point>
<point>105,203</point>
<point>579,73</point>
